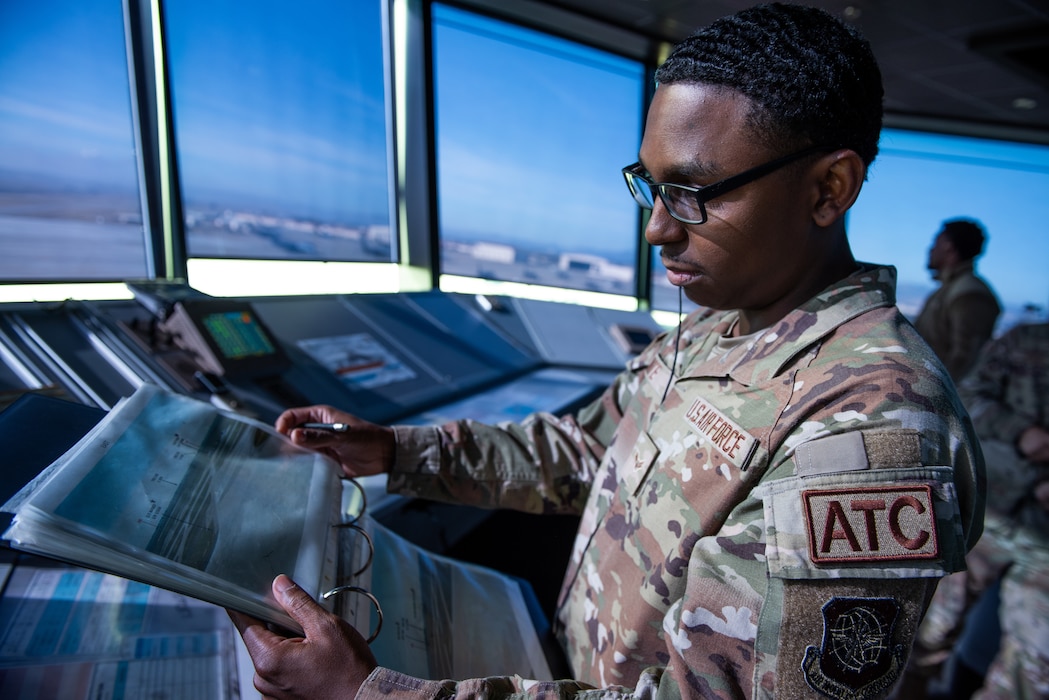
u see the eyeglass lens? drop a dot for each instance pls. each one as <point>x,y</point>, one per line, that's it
<point>681,202</point>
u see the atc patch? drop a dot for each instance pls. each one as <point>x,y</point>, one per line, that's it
<point>878,523</point>
<point>857,659</point>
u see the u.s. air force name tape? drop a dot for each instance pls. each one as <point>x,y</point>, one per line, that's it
<point>725,434</point>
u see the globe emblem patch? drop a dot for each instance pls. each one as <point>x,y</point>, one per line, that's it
<point>857,658</point>
<point>857,639</point>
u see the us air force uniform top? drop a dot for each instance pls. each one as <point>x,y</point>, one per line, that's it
<point>773,526</point>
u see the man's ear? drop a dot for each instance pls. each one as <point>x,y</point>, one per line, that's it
<point>840,179</point>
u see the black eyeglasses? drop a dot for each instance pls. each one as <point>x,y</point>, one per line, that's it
<point>686,203</point>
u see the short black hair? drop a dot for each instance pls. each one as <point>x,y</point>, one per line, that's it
<point>966,235</point>
<point>813,80</point>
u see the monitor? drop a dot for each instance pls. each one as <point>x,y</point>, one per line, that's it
<point>226,337</point>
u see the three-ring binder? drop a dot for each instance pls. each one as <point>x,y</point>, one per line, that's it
<point>371,547</point>
<point>337,590</point>
<point>364,502</point>
<point>357,589</point>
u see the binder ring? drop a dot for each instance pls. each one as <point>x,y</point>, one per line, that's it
<point>364,502</point>
<point>375,601</point>
<point>371,546</point>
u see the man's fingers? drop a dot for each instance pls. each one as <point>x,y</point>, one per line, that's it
<point>241,621</point>
<point>315,439</point>
<point>256,635</point>
<point>298,604</point>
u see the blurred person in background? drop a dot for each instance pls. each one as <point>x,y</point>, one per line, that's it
<point>1007,395</point>
<point>959,317</point>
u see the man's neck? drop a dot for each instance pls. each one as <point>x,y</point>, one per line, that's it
<point>754,320</point>
<point>949,273</point>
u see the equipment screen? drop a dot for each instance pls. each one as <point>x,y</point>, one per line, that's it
<point>237,334</point>
<point>227,337</point>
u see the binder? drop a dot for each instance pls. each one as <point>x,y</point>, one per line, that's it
<point>172,492</point>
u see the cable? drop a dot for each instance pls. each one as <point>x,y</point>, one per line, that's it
<point>677,343</point>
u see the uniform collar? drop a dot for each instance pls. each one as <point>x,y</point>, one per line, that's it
<point>870,287</point>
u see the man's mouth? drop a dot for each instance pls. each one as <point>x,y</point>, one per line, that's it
<point>681,276</point>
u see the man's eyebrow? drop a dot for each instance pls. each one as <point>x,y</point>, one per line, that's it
<point>690,171</point>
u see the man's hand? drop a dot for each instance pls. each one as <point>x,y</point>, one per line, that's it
<point>362,450</point>
<point>1034,444</point>
<point>330,663</point>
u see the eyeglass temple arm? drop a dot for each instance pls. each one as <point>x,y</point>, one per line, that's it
<point>705,194</point>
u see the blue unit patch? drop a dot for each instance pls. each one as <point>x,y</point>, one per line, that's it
<point>857,659</point>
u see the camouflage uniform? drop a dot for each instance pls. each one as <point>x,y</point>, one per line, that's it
<point>774,525</point>
<point>1007,391</point>
<point>958,318</point>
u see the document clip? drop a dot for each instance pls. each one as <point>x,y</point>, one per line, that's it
<point>357,589</point>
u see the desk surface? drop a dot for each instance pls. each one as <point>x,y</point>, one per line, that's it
<point>82,635</point>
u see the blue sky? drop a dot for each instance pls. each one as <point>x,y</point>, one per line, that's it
<point>920,180</point>
<point>65,109</point>
<point>532,133</point>
<point>280,106</point>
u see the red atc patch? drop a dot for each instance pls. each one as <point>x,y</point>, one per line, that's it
<point>884,523</point>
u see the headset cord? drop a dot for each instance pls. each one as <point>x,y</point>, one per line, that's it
<point>677,344</point>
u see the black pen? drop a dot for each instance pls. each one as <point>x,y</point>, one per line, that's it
<point>330,427</point>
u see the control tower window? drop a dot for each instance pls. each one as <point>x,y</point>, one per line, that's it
<point>69,187</point>
<point>281,126</point>
<point>531,133</point>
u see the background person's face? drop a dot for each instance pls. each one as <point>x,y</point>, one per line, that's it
<point>941,253</point>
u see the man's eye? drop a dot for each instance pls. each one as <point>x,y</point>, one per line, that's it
<point>677,194</point>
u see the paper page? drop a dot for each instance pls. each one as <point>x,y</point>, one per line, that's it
<point>448,619</point>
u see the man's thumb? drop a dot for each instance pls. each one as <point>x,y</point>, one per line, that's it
<point>296,602</point>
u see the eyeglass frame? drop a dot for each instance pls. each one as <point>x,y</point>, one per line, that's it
<point>705,193</point>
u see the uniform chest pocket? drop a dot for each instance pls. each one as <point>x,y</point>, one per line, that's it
<point>637,464</point>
